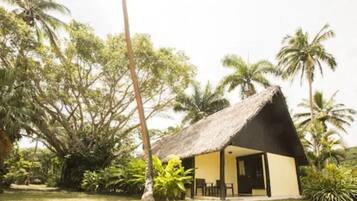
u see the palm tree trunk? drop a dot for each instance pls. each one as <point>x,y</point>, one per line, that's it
<point>5,146</point>
<point>148,194</point>
<point>310,95</point>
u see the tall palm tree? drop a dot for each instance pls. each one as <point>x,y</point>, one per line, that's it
<point>13,109</point>
<point>201,103</point>
<point>327,112</point>
<point>246,75</point>
<point>301,55</point>
<point>148,194</point>
<point>36,14</point>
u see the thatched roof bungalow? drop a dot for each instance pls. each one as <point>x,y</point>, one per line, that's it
<point>250,148</point>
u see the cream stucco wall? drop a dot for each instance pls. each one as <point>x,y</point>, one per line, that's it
<point>231,172</point>
<point>207,167</point>
<point>282,171</point>
<point>283,178</point>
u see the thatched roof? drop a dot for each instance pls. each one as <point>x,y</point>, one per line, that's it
<point>215,131</point>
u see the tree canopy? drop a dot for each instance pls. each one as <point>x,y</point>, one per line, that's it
<point>37,15</point>
<point>246,75</point>
<point>201,103</point>
<point>302,55</point>
<point>327,111</point>
<point>16,44</point>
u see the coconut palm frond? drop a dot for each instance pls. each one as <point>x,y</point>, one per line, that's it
<point>247,75</point>
<point>201,103</point>
<point>36,14</point>
<point>327,111</point>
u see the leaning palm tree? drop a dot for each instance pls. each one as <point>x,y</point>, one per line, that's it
<point>201,103</point>
<point>36,14</point>
<point>300,55</point>
<point>246,75</point>
<point>148,194</point>
<point>326,111</point>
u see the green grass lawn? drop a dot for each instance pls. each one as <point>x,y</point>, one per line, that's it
<point>43,193</point>
<point>58,196</point>
<point>64,196</point>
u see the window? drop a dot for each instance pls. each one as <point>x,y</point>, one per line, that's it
<point>241,167</point>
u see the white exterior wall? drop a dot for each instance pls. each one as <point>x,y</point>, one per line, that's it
<point>283,177</point>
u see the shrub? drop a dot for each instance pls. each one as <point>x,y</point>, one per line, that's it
<point>18,170</point>
<point>52,180</point>
<point>331,184</point>
<point>91,181</point>
<point>23,164</point>
<point>115,178</point>
<point>170,179</point>
<point>169,182</point>
<point>133,182</point>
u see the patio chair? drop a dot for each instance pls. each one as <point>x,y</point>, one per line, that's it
<point>229,186</point>
<point>201,184</point>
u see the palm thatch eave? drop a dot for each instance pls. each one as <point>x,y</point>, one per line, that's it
<point>216,131</point>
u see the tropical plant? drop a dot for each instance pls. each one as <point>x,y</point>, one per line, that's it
<point>37,14</point>
<point>91,181</point>
<point>201,103</point>
<point>16,42</point>
<point>115,178</point>
<point>169,179</point>
<point>18,168</point>
<point>46,167</point>
<point>327,112</point>
<point>331,184</point>
<point>247,75</point>
<point>323,146</point>
<point>133,177</point>
<point>351,158</point>
<point>301,55</point>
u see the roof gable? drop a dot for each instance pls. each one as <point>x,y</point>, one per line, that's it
<point>217,130</point>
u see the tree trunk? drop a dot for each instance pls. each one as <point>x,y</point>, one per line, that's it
<point>5,145</point>
<point>148,194</point>
<point>310,95</point>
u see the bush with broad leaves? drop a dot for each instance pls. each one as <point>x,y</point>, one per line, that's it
<point>333,183</point>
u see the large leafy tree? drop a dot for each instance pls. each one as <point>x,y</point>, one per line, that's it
<point>327,111</point>
<point>85,107</point>
<point>201,103</point>
<point>38,15</point>
<point>246,75</point>
<point>302,55</point>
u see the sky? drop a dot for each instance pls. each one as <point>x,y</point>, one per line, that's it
<point>207,30</point>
